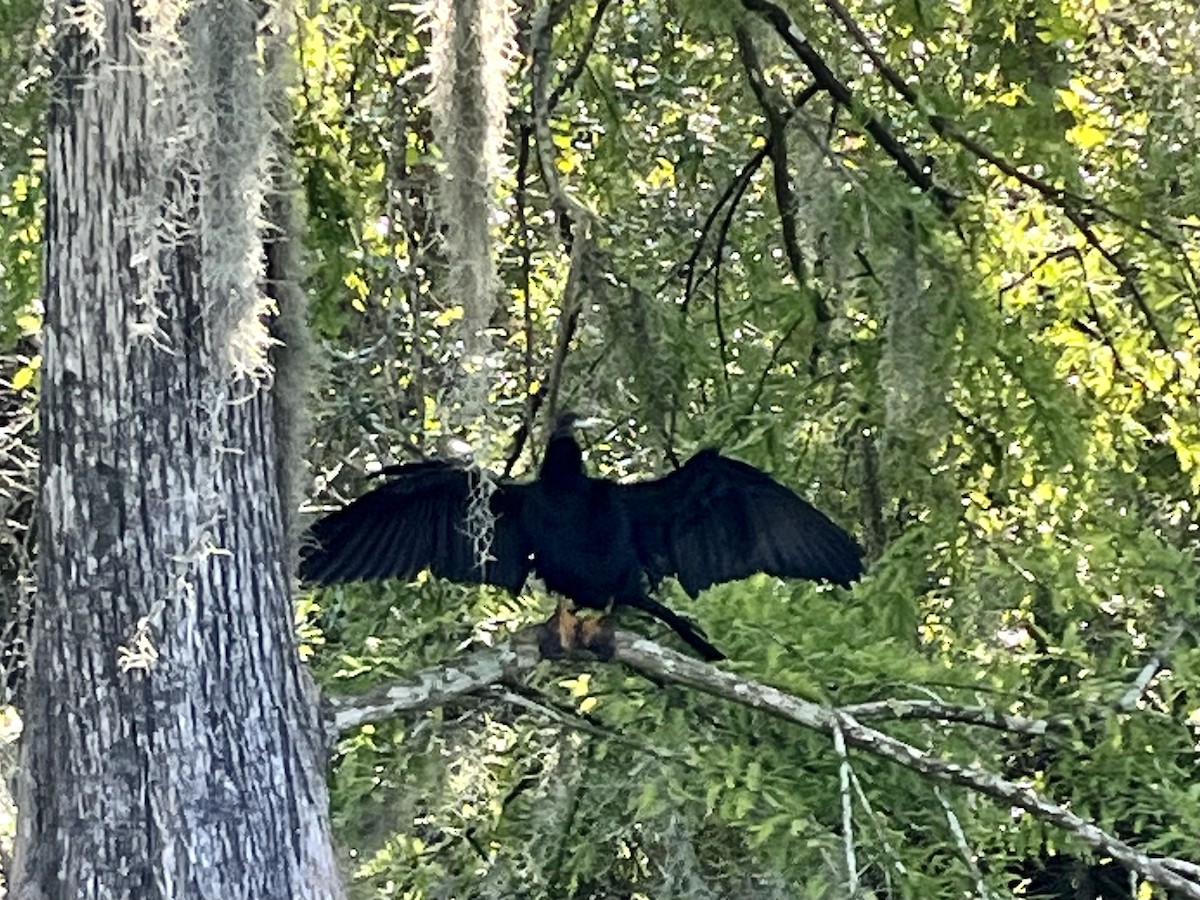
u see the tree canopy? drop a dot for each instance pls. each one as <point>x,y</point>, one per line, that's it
<point>933,265</point>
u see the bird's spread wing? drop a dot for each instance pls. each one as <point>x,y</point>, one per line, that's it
<point>717,519</point>
<point>416,521</point>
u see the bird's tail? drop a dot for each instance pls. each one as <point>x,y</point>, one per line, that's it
<point>683,626</point>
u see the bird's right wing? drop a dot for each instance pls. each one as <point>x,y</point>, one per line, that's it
<point>717,519</point>
<point>418,520</point>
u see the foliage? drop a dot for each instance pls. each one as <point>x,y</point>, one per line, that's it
<point>1002,398</point>
<point>998,217</point>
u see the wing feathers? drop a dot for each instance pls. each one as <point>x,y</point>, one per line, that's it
<point>416,521</point>
<point>717,519</point>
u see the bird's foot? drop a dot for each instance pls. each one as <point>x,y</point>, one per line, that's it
<point>564,632</point>
<point>556,637</point>
<point>597,636</point>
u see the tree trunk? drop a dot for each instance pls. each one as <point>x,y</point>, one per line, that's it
<point>172,744</point>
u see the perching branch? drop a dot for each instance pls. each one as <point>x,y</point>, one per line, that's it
<point>470,673</point>
<point>516,657</point>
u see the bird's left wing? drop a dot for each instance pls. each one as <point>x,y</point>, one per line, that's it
<point>717,519</point>
<point>418,520</point>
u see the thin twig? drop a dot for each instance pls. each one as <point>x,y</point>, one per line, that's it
<point>733,192</point>
<point>568,319</point>
<point>719,324</point>
<point>532,398</point>
<point>1124,269</point>
<point>785,197</point>
<point>585,51</point>
<point>527,699</point>
<point>880,834</point>
<point>938,711</point>
<point>1159,659</point>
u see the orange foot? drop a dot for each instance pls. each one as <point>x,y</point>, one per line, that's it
<point>556,638</point>
<point>597,636</point>
<point>565,632</point>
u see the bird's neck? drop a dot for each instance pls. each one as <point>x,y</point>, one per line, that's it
<point>563,460</point>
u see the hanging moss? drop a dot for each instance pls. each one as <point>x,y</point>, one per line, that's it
<point>233,148</point>
<point>469,97</point>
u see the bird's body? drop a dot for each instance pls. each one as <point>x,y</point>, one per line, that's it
<point>599,543</point>
<point>580,530</point>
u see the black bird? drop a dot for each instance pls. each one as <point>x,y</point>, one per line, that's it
<point>596,542</point>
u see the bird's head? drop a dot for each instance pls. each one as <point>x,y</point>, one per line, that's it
<point>564,456</point>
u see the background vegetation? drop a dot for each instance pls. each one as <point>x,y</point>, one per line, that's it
<point>932,264</point>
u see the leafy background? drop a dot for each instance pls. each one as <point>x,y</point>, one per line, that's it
<point>1002,404</point>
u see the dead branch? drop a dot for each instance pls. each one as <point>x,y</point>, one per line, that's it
<point>1156,662</point>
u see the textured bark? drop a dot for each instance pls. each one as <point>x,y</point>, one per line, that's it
<point>172,745</point>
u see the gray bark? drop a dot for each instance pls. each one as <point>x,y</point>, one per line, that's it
<point>172,745</point>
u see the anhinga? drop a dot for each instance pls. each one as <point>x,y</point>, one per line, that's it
<point>596,542</point>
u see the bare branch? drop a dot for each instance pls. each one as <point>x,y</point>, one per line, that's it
<point>964,849</point>
<point>881,835</point>
<point>949,712</point>
<point>1123,268</point>
<point>529,700</point>
<point>589,43</point>
<point>568,318</point>
<point>540,40</point>
<point>1159,659</point>
<point>468,674</point>
<point>844,773</point>
<point>791,35</point>
<point>785,198</point>
<point>732,194</point>
<point>1182,865</point>
<point>525,244</point>
<point>576,220</point>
